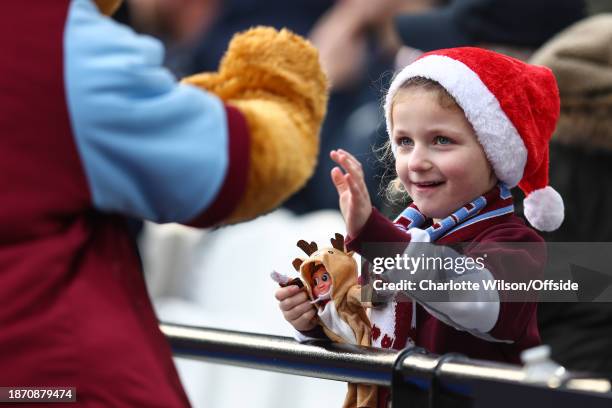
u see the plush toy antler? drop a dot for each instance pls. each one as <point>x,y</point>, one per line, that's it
<point>306,247</point>
<point>338,242</point>
<point>297,262</point>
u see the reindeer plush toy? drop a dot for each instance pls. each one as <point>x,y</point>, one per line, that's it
<point>330,277</point>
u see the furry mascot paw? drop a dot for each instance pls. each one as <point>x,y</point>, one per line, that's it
<point>274,78</point>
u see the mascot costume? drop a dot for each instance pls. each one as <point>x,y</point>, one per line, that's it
<point>95,130</point>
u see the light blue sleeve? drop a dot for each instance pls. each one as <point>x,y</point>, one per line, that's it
<point>151,148</point>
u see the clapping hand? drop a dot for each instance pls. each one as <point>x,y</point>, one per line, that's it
<point>355,203</point>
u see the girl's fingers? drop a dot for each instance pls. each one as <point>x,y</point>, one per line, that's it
<point>289,303</point>
<point>286,292</point>
<point>299,311</point>
<point>343,160</point>
<point>351,162</point>
<point>338,180</point>
<point>305,318</point>
<point>353,178</point>
<point>356,186</point>
<point>349,156</point>
<point>350,181</point>
<point>335,156</point>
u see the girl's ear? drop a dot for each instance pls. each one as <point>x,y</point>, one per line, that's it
<point>297,262</point>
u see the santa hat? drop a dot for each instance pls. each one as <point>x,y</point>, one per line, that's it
<point>513,108</point>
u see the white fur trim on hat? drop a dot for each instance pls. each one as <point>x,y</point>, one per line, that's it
<point>499,138</point>
<point>544,209</point>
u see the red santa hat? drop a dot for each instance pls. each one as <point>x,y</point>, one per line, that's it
<point>513,108</point>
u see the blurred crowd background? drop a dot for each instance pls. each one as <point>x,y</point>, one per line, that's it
<point>219,278</point>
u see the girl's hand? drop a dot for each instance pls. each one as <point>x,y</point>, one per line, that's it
<point>355,203</point>
<point>296,307</point>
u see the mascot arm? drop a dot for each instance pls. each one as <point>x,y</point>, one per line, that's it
<point>158,150</point>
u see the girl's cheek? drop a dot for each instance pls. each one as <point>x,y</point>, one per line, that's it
<point>401,167</point>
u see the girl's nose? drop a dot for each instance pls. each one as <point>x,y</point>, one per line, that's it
<point>419,159</point>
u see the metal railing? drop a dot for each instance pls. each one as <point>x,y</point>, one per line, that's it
<point>415,377</point>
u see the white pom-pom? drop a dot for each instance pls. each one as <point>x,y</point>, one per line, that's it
<point>544,209</point>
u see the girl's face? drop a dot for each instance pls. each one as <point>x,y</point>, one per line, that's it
<point>438,158</point>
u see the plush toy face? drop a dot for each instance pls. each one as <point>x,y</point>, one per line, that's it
<point>321,282</point>
<point>339,265</point>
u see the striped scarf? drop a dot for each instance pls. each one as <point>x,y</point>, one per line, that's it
<point>475,211</point>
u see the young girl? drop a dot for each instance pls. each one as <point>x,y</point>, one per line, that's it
<point>465,125</point>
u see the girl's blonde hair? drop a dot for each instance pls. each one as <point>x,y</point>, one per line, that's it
<point>394,192</point>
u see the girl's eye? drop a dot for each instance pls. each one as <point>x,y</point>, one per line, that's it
<point>442,140</point>
<point>404,141</point>
<point>325,277</point>
<point>316,281</point>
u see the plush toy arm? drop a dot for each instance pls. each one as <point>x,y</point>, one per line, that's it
<point>274,78</point>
